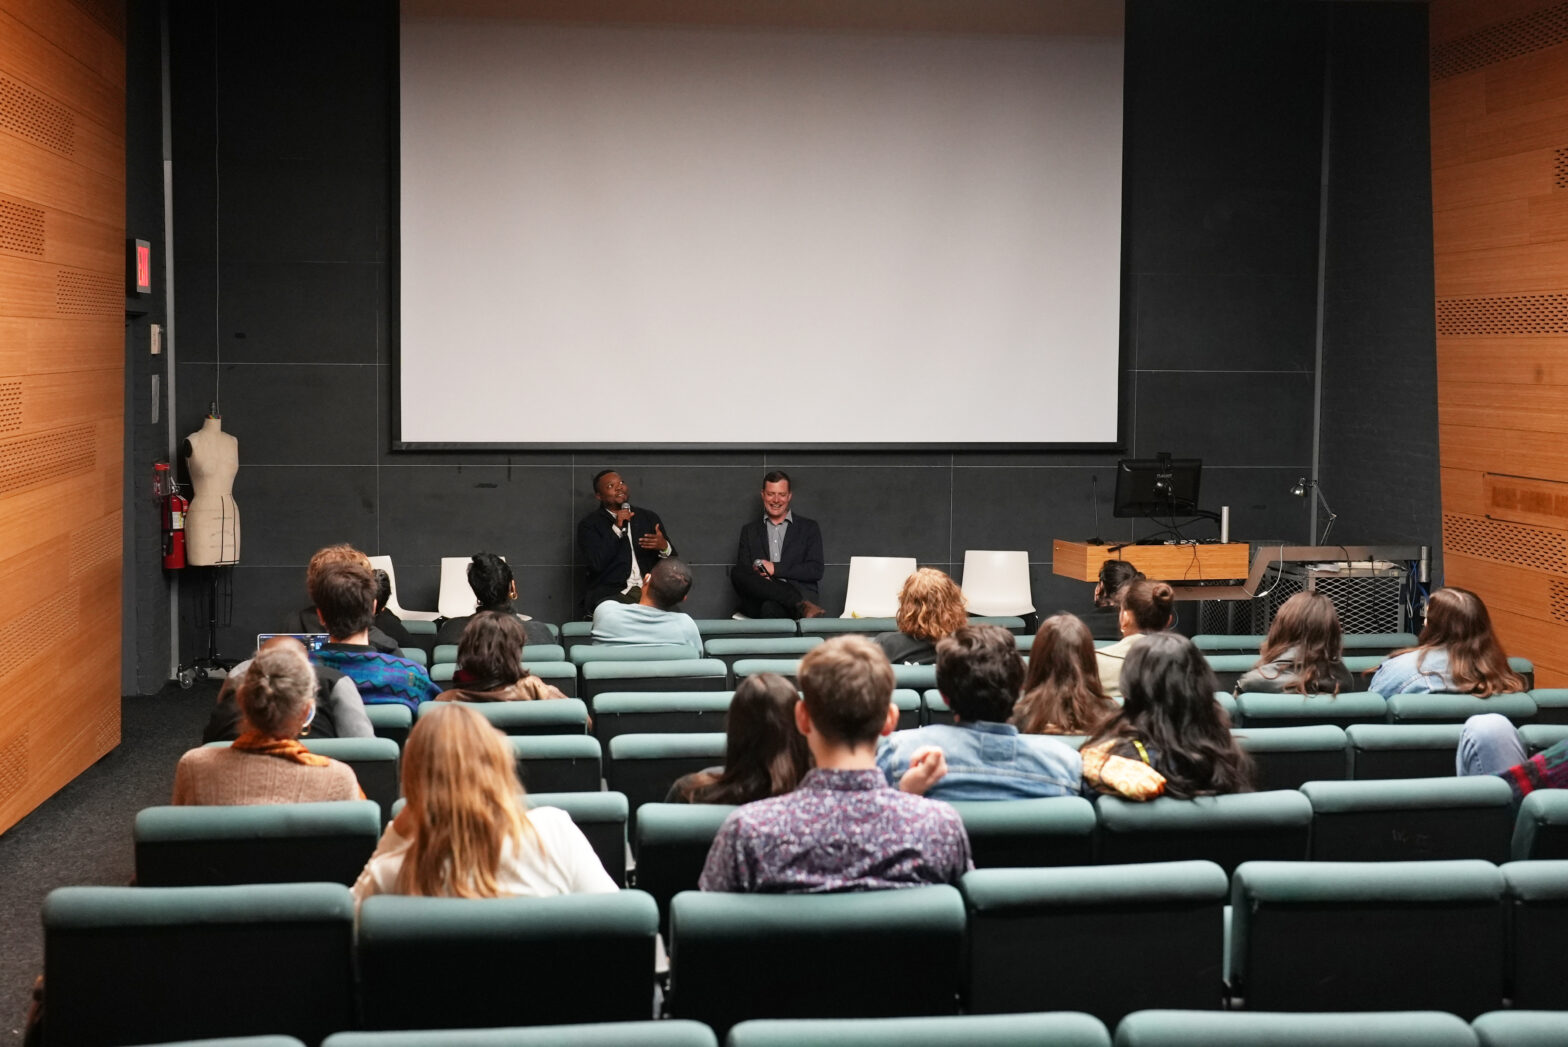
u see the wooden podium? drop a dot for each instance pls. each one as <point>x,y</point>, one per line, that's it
<point>1167,563</point>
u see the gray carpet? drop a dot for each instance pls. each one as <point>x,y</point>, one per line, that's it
<point>82,834</point>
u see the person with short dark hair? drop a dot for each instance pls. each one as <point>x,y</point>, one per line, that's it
<point>385,620</point>
<point>843,828</point>
<point>779,562</point>
<point>345,595</point>
<point>307,620</point>
<point>979,673</point>
<point>653,619</point>
<point>495,587</point>
<point>490,664</point>
<point>1146,607</point>
<point>619,543</point>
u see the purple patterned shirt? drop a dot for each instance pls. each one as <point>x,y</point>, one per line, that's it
<point>839,831</point>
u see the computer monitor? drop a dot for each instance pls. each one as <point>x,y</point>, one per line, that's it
<point>1162,486</point>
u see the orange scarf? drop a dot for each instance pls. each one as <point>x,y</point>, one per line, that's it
<point>254,741</point>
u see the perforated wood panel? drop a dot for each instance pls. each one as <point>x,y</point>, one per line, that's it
<point>1560,169</point>
<point>1538,547</point>
<point>48,624</point>
<point>78,293</point>
<point>10,406</point>
<point>21,228</point>
<point>1559,601</point>
<point>25,112</point>
<point>1508,314</point>
<point>46,457</point>
<point>1497,43</point>
<point>94,544</point>
<point>13,766</point>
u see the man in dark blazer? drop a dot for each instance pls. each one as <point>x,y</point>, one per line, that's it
<point>606,538</point>
<point>779,562</point>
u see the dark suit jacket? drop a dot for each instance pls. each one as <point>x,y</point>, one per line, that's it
<point>800,561</point>
<point>606,559</point>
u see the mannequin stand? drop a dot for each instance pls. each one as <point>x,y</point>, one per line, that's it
<point>202,667</point>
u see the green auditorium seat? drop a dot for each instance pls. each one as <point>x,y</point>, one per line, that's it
<point>1285,757</point>
<point>1055,830</point>
<point>236,1041</point>
<point>694,674</point>
<point>1362,666</point>
<point>911,709</point>
<point>390,720</point>
<point>914,677</point>
<point>1285,710</point>
<point>561,675</point>
<point>1551,705</point>
<point>1525,668</point>
<point>730,650</point>
<point>1056,1029</point>
<point>413,654</point>
<point>934,707</point>
<point>599,1034</point>
<point>1521,1029</point>
<point>632,652</point>
<point>1402,750</point>
<point>444,654</point>
<point>553,716</point>
<point>870,954</point>
<point>785,667</point>
<point>558,763</point>
<point>1243,1029</point>
<point>1226,830</point>
<point>644,766</point>
<point>1457,708</point>
<point>143,964</point>
<point>672,842</point>
<point>1227,701</point>
<point>1222,643</point>
<point>1227,668</point>
<point>654,712</point>
<point>543,652</point>
<point>745,627</point>
<point>847,626</point>
<point>1537,736</point>
<point>475,962</point>
<point>1541,826</point>
<point>1377,643</point>
<point>574,634</point>
<point>1012,623</point>
<point>444,673</point>
<point>1537,899</point>
<point>374,760</point>
<point>1107,940</point>
<point>1411,818</point>
<point>1368,936</point>
<point>602,817</point>
<point>255,843</point>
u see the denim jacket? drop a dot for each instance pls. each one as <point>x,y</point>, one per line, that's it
<point>987,761</point>
<point>1399,675</point>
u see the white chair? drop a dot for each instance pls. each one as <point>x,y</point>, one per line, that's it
<point>997,582</point>
<point>457,597</point>
<point>874,582</point>
<point>384,563</point>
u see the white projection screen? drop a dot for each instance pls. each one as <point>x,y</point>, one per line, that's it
<point>698,235</point>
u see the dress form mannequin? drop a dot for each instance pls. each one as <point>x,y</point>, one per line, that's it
<point>212,523</point>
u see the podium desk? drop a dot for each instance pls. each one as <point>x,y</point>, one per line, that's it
<point>1166,563</point>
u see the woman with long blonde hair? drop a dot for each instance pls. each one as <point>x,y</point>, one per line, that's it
<point>465,832</point>
<point>930,607</point>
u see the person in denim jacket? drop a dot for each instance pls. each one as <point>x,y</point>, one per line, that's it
<point>1458,653</point>
<point>979,673</point>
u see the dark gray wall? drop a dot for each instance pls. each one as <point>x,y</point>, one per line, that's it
<point>283,128</point>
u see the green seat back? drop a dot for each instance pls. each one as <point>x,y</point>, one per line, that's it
<point>1054,830</point>
<point>1538,736</point>
<point>1404,819</point>
<point>256,843</point>
<point>914,677</point>
<point>150,964</point>
<point>602,818</point>
<point>543,652</point>
<point>1228,668</point>
<point>391,721</point>
<point>554,716</point>
<point>599,1034</point>
<point>632,652</point>
<point>1318,936</point>
<point>1457,708</point>
<point>741,668</point>
<point>911,709</point>
<point>655,712</point>
<point>843,626</point>
<point>1227,701</point>
<point>870,954</point>
<point>1338,710</point>
<point>575,634</point>
<point>695,674</point>
<point>1522,1029</point>
<point>1156,1028</point>
<point>413,654</point>
<point>672,843</point>
<point>1541,826</point>
<point>558,763</point>
<point>644,766</point>
<point>505,961</point>
<point>561,675</point>
<point>443,673</point>
<point>1170,909</point>
<point>1402,750</point>
<point>1537,893</point>
<point>936,709</point>
<point>730,650</point>
<point>1551,705</point>
<point>1226,830</point>
<point>1285,757</point>
<point>1011,623</point>
<point>1221,643</point>
<point>1060,1029</point>
<point>444,654</point>
<point>745,627</point>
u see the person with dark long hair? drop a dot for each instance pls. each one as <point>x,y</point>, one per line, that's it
<point>764,754</point>
<point>1457,653</point>
<point>495,587</point>
<point>1170,721</point>
<point>1146,607</point>
<point>1061,690</point>
<point>490,664</point>
<point>1303,653</point>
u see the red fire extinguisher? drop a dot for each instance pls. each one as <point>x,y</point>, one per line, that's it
<point>174,505</point>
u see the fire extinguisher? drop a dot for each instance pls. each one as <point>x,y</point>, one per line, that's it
<point>174,505</point>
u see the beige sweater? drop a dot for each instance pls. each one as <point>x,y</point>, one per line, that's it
<point>229,776</point>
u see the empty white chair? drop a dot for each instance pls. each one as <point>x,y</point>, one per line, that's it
<point>384,563</point>
<point>457,596</point>
<point>874,582</point>
<point>996,582</point>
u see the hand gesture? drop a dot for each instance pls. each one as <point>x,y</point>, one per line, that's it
<point>655,539</point>
<point>765,568</point>
<point>623,516</point>
<point>927,766</point>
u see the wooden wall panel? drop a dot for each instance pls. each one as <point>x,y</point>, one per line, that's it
<point>62,290</point>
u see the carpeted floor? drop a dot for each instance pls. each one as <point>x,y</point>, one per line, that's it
<point>82,834</point>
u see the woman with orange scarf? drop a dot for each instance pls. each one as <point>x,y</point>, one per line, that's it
<point>267,763</point>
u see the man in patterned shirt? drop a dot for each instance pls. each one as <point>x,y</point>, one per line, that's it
<point>844,828</point>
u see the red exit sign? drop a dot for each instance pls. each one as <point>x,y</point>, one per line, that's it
<point>141,267</point>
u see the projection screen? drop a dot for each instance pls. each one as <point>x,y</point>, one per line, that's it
<point>677,235</point>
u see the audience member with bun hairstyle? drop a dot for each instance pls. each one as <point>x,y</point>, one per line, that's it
<point>1303,653</point>
<point>1458,653</point>
<point>930,606</point>
<point>267,763</point>
<point>1114,577</point>
<point>490,664</point>
<point>1171,725</point>
<point>1061,691</point>
<point>495,587</point>
<point>465,832</point>
<point>764,754</point>
<point>1147,607</point>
